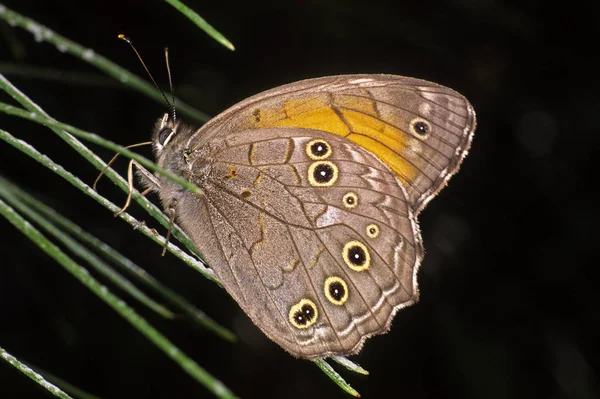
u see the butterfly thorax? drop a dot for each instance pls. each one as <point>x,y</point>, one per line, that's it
<point>171,150</point>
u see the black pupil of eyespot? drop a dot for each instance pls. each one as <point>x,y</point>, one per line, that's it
<point>304,315</point>
<point>308,312</point>
<point>372,230</point>
<point>357,256</point>
<point>421,127</point>
<point>323,173</point>
<point>299,317</point>
<point>163,135</point>
<point>350,200</point>
<point>319,148</point>
<point>336,290</point>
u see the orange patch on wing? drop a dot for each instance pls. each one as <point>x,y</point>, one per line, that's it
<point>360,104</point>
<point>405,170</point>
<point>377,129</point>
<point>385,141</point>
<point>310,113</point>
<point>359,122</point>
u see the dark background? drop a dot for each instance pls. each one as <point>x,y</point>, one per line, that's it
<point>509,306</point>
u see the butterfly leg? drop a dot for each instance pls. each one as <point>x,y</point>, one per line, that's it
<point>171,211</point>
<point>147,177</point>
<point>153,184</point>
<point>113,159</point>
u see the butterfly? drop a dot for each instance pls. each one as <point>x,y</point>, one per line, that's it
<point>309,200</point>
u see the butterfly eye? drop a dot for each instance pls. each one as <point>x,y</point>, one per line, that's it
<point>164,135</point>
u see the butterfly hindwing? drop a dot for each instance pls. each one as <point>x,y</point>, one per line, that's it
<point>304,219</point>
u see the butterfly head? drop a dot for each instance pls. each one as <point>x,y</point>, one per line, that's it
<point>169,140</point>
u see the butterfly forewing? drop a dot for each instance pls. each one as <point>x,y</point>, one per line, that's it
<point>421,130</point>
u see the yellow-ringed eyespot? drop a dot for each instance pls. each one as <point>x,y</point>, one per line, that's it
<point>357,256</point>
<point>372,230</point>
<point>322,174</point>
<point>420,127</point>
<point>350,200</point>
<point>303,314</point>
<point>336,290</point>
<point>318,149</point>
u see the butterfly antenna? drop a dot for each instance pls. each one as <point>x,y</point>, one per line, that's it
<point>128,40</point>
<point>170,84</point>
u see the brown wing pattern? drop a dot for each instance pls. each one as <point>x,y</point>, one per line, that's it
<point>319,248</point>
<point>421,130</point>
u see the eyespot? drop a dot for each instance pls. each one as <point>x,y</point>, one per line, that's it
<point>420,127</point>
<point>357,256</point>
<point>303,314</point>
<point>350,200</point>
<point>336,290</point>
<point>372,230</point>
<point>164,136</point>
<point>318,149</point>
<point>322,174</point>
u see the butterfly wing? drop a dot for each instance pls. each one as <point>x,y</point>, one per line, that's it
<point>421,130</point>
<point>310,233</point>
